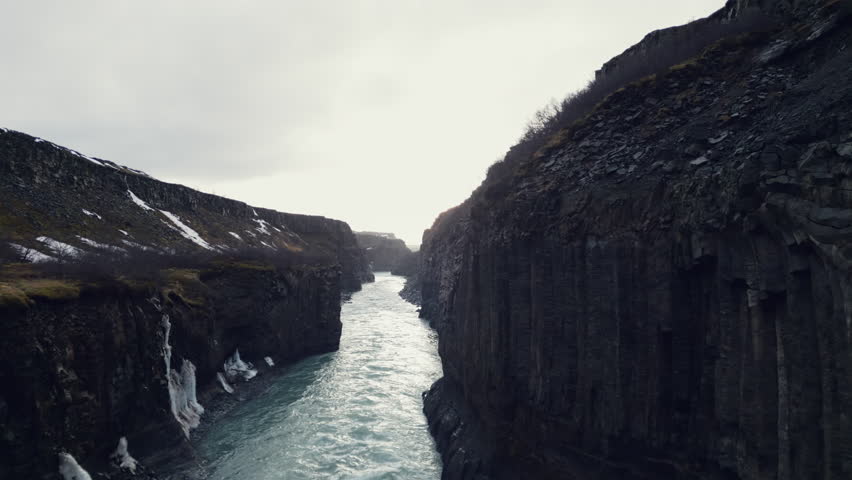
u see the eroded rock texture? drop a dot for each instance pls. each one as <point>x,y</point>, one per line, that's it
<point>77,374</point>
<point>47,190</point>
<point>83,348</point>
<point>384,251</point>
<point>664,290</point>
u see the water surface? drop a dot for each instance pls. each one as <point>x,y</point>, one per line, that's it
<point>352,414</point>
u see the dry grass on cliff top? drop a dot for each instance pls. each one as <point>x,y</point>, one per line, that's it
<point>554,124</point>
<point>22,284</point>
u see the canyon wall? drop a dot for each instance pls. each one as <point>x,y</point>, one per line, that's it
<point>82,369</point>
<point>663,291</point>
<point>384,251</point>
<point>90,204</point>
<point>123,298</point>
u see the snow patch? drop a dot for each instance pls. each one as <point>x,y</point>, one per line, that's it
<point>236,236</point>
<point>137,246</point>
<point>236,368</point>
<point>96,162</point>
<point>31,255</point>
<point>39,140</point>
<point>187,232</point>
<point>138,172</point>
<point>70,469</point>
<point>267,245</point>
<point>59,248</point>
<point>264,226</point>
<point>269,361</point>
<point>254,212</point>
<point>92,214</point>
<point>182,386</point>
<point>121,458</point>
<point>225,385</point>
<point>123,232</point>
<point>138,201</point>
<point>101,246</point>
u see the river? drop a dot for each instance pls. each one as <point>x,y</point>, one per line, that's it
<point>351,414</point>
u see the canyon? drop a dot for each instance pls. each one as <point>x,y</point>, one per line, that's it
<point>199,294</point>
<point>659,287</point>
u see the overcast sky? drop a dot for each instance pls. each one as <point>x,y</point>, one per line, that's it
<point>379,113</point>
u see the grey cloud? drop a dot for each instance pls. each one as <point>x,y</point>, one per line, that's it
<point>303,106</point>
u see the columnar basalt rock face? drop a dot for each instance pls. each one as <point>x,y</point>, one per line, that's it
<point>78,374</point>
<point>664,291</point>
<point>84,349</point>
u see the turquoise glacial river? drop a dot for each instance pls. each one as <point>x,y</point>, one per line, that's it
<point>352,414</point>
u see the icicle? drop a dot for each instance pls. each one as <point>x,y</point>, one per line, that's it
<point>167,349</point>
<point>70,469</point>
<point>269,361</point>
<point>185,407</point>
<point>225,385</point>
<point>235,368</point>
<point>188,374</point>
<point>121,458</point>
<point>182,386</point>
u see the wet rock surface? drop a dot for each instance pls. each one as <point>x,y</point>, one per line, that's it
<point>663,291</point>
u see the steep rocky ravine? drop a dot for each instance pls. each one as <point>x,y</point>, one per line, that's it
<point>135,349</point>
<point>384,251</point>
<point>663,290</point>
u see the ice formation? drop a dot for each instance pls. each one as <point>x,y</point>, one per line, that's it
<point>182,387</point>
<point>236,368</point>
<point>122,458</point>
<point>70,469</point>
<point>269,361</point>
<point>225,385</point>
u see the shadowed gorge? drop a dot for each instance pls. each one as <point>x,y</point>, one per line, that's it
<point>653,283</point>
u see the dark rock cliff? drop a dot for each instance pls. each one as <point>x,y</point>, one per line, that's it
<point>384,251</point>
<point>663,290</point>
<point>91,204</point>
<point>80,370</point>
<point>91,353</point>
